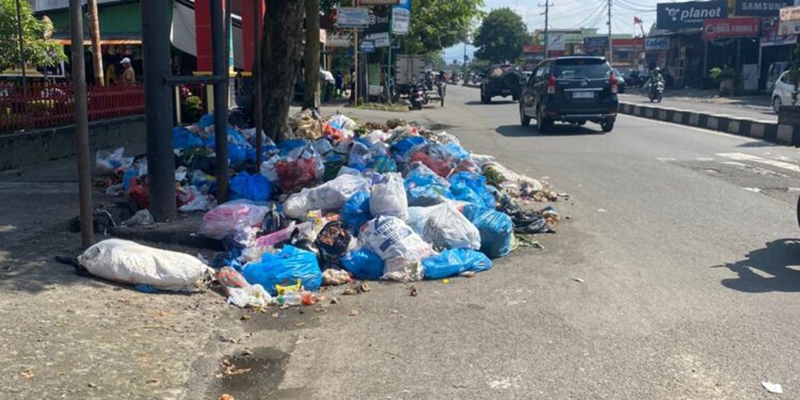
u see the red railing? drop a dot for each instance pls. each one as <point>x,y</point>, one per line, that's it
<point>50,105</point>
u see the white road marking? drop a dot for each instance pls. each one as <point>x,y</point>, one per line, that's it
<point>754,190</point>
<point>705,159</point>
<point>666,159</point>
<point>748,157</point>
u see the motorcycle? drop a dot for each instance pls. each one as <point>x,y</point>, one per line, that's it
<point>418,97</point>
<point>656,92</point>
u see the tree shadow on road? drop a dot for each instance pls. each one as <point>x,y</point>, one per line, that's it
<point>556,130</point>
<point>773,268</point>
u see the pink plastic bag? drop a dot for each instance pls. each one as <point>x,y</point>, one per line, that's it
<point>225,219</point>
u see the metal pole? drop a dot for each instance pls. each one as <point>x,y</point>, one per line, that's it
<point>81,123</point>
<point>546,27</point>
<point>355,99</point>
<point>97,53</point>
<point>259,116</point>
<point>220,64</point>
<point>22,52</point>
<point>389,65</point>
<point>158,108</point>
<point>610,41</point>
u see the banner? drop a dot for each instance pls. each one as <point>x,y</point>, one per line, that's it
<point>678,16</point>
<point>770,37</point>
<point>723,28</point>
<point>656,44</point>
<point>596,41</point>
<point>379,39</point>
<point>349,17</point>
<point>790,21</point>
<point>761,8</point>
<point>339,39</point>
<point>555,42</point>
<point>401,20</point>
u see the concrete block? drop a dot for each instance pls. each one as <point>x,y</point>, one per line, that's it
<point>757,130</point>
<point>694,119</point>
<point>663,114</point>
<point>785,134</point>
<point>712,123</point>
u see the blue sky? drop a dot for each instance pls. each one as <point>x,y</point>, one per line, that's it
<point>565,14</point>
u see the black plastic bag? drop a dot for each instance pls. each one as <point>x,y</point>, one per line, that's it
<point>332,242</point>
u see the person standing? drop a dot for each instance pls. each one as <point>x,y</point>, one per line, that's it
<point>339,84</point>
<point>128,75</point>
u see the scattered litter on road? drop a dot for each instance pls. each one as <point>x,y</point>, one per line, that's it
<point>353,313</point>
<point>772,387</point>
<point>579,280</point>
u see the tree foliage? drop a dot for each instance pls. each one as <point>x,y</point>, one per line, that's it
<point>39,52</point>
<point>439,24</point>
<point>501,36</point>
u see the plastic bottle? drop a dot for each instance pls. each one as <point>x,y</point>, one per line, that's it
<point>291,298</point>
<point>308,298</point>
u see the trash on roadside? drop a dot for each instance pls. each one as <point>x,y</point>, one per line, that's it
<point>287,265</point>
<point>132,263</point>
<point>444,227</point>
<point>455,261</point>
<point>142,218</point>
<point>401,249</point>
<point>772,387</point>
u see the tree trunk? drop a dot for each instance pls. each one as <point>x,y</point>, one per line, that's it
<point>283,27</point>
<point>97,53</point>
<point>312,91</point>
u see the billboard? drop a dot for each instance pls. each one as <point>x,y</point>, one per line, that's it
<point>596,41</point>
<point>678,16</point>
<point>761,8</point>
<point>555,42</point>
<point>401,20</point>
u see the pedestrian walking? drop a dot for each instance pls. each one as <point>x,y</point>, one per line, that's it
<point>129,75</point>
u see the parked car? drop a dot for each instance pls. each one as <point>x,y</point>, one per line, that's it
<point>501,80</point>
<point>570,89</point>
<point>782,94</point>
<point>774,72</point>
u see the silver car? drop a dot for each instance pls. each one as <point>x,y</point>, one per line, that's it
<point>782,94</point>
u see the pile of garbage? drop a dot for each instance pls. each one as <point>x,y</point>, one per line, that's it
<point>336,203</point>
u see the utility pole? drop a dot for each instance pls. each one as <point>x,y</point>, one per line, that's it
<point>546,6</point>
<point>97,53</point>
<point>610,42</point>
<point>22,52</point>
<point>81,125</point>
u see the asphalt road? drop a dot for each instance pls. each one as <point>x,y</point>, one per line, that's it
<point>686,242</point>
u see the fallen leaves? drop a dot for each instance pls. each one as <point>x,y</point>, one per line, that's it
<point>232,370</point>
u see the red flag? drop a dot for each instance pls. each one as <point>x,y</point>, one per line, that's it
<point>637,20</point>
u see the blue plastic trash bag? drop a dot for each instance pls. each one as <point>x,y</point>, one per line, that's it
<point>206,121</point>
<point>236,153</point>
<point>355,211</point>
<point>359,156</point>
<point>454,262</point>
<point>496,229</point>
<point>470,187</point>
<point>285,268</point>
<point>426,195</point>
<point>457,151</point>
<point>404,146</point>
<point>183,139</point>
<point>235,136</point>
<point>363,264</point>
<point>288,145</point>
<point>252,187</point>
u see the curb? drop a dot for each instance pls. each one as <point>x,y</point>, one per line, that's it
<point>757,129</point>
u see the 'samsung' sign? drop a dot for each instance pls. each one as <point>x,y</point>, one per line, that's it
<point>677,16</point>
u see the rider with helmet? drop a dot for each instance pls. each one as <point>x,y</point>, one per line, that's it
<point>655,78</point>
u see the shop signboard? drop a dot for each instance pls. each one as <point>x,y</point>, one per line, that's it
<point>401,20</point>
<point>770,37</point>
<point>656,44</point>
<point>724,28</point>
<point>339,39</point>
<point>687,15</point>
<point>379,39</point>
<point>789,21</point>
<point>555,42</point>
<point>596,41</point>
<point>351,17</point>
<point>760,8</point>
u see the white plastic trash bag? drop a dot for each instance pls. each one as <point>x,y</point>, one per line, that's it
<point>108,162</point>
<point>128,262</point>
<point>397,245</point>
<point>444,227</point>
<point>389,197</point>
<point>252,296</point>
<point>326,197</point>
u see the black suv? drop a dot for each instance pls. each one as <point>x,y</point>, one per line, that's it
<point>570,89</point>
<point>501,80</point>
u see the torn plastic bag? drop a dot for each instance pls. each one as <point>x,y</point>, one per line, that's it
<point>109,162</point>
<point>496,229</point>
<point>401,249</point>
<point>363,263</point>
<point>128,262</point>
<point>326,197</point>
<point>444,227</point>
<point>251,187</point>
<point>224,220</point>
<point>333,241</point>
<point>285,268</point>
<point>355,212</point>
<point>471,188</point>
<point>525,221</point>
<point>382,165</point>
<point>388,196</point>
<point>454,262</point>
<point>253,296</point>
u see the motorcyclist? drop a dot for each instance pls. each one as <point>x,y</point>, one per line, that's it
<point>655,78</point>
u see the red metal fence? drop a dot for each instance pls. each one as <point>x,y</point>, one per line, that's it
<point>50,105</point>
